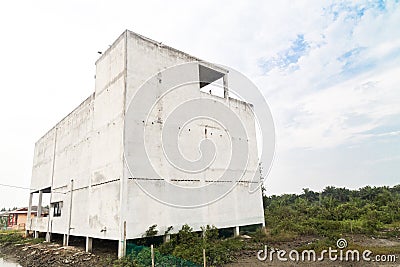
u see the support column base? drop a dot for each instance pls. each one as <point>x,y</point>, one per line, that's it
<point>65,242</point>
<point>121,249</point>
<point>167,238</point>
<point>236,231</point>
<point>48,237</point>
<point>89,244</point>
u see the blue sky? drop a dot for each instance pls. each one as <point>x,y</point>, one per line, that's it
<point>341,125</point>
<point>328,69</point>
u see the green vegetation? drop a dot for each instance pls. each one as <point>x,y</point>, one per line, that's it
<point>189,245</point>
<point>184,249</point>
<point>327,216</point>
<point>152,231</point>
<point>3,223</point>
<point>8,237</point>
<point>335,212</point>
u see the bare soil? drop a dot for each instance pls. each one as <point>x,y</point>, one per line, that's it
<point>53,254</point>
<point>47,254</point>
<point>249,258</point>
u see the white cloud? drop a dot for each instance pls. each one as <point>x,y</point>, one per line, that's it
<point>49,49</point>
<point>313,102</point>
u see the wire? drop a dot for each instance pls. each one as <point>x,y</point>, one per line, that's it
<point>15,186</point>
<point>26,188</point>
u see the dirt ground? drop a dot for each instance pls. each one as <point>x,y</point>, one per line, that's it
<point>53,254</point>
<point>50,255</point>
<point>249,258</point>
<point>252,261</point>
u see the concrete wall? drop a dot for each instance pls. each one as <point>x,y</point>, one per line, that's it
<point>107,155</point>
<point>21,221</point>
<point>88,147</point>
<point>62,155</point>
<point>145,59</point>
<point>43,161</point>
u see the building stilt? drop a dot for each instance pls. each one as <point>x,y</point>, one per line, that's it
<point>65,241</point>
<point>89,243</point>
<point>167,238</point>
<point>121,249</point>
<point>236,231</point>
<point>48,237</point>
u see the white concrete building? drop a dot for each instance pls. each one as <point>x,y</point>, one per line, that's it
<point>81,161</point>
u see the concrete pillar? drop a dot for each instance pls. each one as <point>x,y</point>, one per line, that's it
<point>167,238</point>
<point>89,242</point>
<point>39,207</point>
<point>225,84</point>
<point>28,218</point>
<point>236,231</point>
<point>264,229</point>
<point>36,234</point>
<point>121,249</point>
<point>70,214</point>
<point>48,237</point>
<point>65,241</point>
<point>122,243</point>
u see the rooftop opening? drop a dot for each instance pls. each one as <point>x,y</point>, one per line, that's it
<point>211,81</point>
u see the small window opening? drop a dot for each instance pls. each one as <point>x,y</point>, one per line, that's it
<point>57,206</point>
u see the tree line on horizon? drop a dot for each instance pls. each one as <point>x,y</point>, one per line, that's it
<point>335,212</point>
